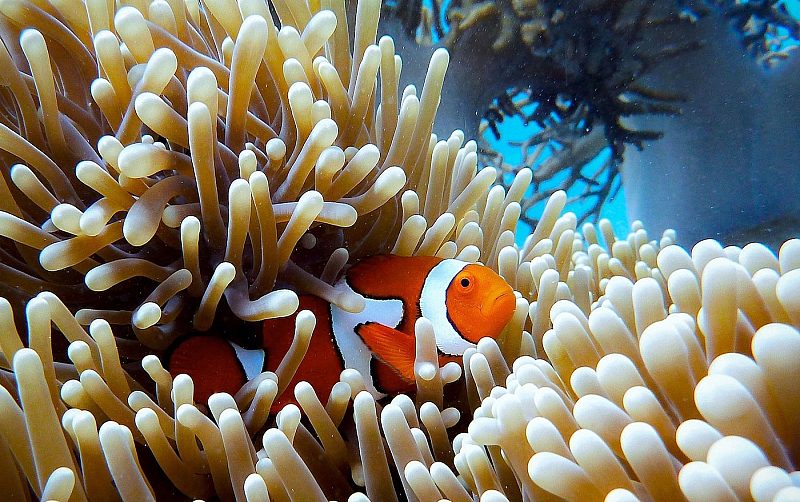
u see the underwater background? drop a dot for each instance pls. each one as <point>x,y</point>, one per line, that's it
<point>732,138</point>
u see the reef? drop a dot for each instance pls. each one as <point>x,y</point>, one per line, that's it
<point>175,167</point>
<point>578,74</point>
<point>597,82</point>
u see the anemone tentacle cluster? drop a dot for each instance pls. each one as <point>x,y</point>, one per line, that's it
<point>211,147</point>
<point>678,383</point>
<point>219,158</point>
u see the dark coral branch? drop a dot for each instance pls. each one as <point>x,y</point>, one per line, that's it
<point>759,22</point>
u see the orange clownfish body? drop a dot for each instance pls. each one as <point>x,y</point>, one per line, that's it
<point>465,302</point>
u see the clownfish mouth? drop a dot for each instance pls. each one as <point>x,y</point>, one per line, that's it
<point>505,301</point>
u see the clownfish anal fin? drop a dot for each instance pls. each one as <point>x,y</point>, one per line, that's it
<point>393,347</point>
<point>252,361</point>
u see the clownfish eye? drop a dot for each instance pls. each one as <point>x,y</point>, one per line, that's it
<point>466,280</point>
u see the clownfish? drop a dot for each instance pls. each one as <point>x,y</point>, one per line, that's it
<point>464,302</point>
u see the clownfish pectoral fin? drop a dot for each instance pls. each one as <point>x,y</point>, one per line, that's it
<point>393,347</point>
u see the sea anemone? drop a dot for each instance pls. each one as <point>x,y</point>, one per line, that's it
<point>233,158</point>
<point>214,159</point>
<point>676,383</point>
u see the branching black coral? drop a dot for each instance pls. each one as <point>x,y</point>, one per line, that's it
<point>584,68</point>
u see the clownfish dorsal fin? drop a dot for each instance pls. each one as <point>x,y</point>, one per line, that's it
<point>393,347</point>
<point>252,361</point>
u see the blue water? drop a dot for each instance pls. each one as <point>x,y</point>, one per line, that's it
<point>793,7</point>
